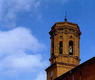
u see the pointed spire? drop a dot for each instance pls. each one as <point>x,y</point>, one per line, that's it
<point>65,16</point>
<point>65,19</point>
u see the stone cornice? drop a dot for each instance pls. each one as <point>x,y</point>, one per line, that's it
<point>65,27</point>
<point>64,55</point>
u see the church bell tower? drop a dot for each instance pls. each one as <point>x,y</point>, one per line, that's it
<point>65,51</point>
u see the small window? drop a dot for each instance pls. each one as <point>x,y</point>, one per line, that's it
<point>70,36</point>
<point>61,37</point>
<point>60,47</point>
<point>53,47</point>
<point>70,47</point>
<point>51,75</point>
<point>72,76</point>
<point>80,75</point>
<point>52,55</point>
<point>67,78</point>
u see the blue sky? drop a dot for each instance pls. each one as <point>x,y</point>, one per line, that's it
<point>24,38</point>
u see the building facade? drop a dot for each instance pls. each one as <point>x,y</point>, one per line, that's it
<point>65,51</point>
<point>85,71</point>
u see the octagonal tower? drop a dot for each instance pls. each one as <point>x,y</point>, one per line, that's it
<point>65,51</point>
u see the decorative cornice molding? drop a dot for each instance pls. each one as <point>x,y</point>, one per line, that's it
<point>64,55</point>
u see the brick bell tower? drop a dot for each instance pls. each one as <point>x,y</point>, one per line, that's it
<point>65,51</point>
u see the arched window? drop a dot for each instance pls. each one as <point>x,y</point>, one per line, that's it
<point>60,47</point>
<point>70,47</point>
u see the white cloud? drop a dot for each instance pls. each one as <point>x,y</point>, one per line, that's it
<point>10,8</point>
<point>41,76</point>
<point>19,49</point>
<point>18,39</point>
<point>21,63</point>
<point>14,55</point>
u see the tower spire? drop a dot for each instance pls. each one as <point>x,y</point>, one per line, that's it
<point>65,16</point>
